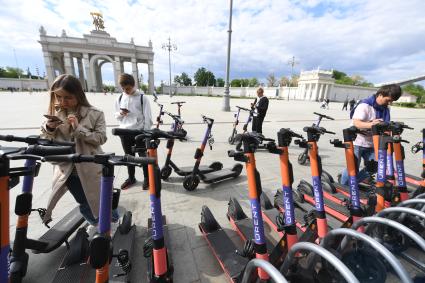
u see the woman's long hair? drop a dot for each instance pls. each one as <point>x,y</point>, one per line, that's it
<point>70,84</point>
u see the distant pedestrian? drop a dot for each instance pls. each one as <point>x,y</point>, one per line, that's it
<point>261,106</point>
<point>352,103</point>
<point>344,107</point>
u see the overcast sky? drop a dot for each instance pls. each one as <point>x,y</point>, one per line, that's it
<point>381,40</point>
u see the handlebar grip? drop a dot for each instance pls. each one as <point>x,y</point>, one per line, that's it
<point>61,158</point>
<point>323,116</point>
<point>126,132</point>
<point>138,160</point>
<point>42,150</point>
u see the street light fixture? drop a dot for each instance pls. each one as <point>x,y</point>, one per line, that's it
<point>169,47</point>
<point>292,63</point>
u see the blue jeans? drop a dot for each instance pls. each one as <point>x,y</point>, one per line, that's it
<point>76,189</point>
<point>365,153</point>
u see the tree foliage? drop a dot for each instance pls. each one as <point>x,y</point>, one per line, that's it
<point>220,82</point>
<point>15,73</point>
<point>271,80</point>
<point>183,79</point>
<point>344,79</point>
<point>416,90</point>
<point>203,77</point>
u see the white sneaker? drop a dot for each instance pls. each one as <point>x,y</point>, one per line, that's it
<point>91,230</point>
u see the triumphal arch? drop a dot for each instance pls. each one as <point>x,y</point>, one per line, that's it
<point>62,53</point>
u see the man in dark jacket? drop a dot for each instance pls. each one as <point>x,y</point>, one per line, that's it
<point>261,107</point>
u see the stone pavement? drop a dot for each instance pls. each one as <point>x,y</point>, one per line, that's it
<point>22,114</point>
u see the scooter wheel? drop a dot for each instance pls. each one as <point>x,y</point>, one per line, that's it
<point>190,183</point>
<point>302,158</point>
<point>328,187</point>
<point>216,166</point>
<point>366,265</point>
<point>165,172</point>
<point>238,169</point>
<point>125,225</point>
<point>231,139</point>
<point>298,197</point>
<point>327,177</point>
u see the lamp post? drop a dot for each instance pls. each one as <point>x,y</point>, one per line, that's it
<point>292,63</point>
<point>17,69</point>
<point>226,96</point>
<point>169,47</point>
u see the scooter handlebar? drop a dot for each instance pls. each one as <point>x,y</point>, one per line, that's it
<point>242,108</point>
<point>131,160</point>
<point>127,132</point>
<point>34,139</point>
<point>323,116</point>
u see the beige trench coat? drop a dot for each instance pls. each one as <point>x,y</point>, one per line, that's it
<point>89,135</point>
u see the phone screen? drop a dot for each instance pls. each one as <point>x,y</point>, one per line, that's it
<point>53,118</point>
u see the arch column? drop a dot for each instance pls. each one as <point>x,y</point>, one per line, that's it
<point>135,73</point>
<point>67,62</point>
<point>81,72</point>
<point>48,62</point>
<point>118,70</point>
<point>151,82</point>
<point>89,77</point>
<point>321,94</point>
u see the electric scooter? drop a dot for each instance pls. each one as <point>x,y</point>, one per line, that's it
<point>9,178</point>
<point>103,248</point>
<point>303,158</point>
<point>415,149</point>
<point>222,246</point>
<point>231,139</point>
<point>159,260</point>
<point>62,230</point>
<point>192,180</point>
<point>169,165</point>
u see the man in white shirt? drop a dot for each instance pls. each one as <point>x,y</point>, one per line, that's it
<point>133,111</point>
<point>370,111</point>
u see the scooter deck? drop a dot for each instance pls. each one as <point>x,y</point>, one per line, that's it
<point>343,191</point>
<point>224,249</point>
<point>220,175</point>
<point>83,272</point>
<point>121,242</point>
<point>187,170</point>
<point>61,231</point>
<point>415,257</point>
<point>331,208</point>
<point>245,230</point>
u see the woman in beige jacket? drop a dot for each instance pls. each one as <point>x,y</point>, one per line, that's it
<point>85,125</point>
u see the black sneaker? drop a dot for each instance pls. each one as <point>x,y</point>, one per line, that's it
<point>145,185</point>
<point>128,183</point>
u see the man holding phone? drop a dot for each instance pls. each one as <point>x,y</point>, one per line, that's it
<point>370,111</point>
<point>133,111</point>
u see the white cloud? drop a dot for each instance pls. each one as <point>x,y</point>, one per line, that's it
<point>380,40</point>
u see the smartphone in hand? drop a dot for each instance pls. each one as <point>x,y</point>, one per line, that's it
<point>124,110</point>
<point>53,118</point>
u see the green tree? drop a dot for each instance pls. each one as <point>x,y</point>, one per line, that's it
<point>185,79</point>
<point>203,77</point>
<point>284,81</point>
<point>220,82</point>
<point>416,90</point>
<point>271,80</point>
<point>236,83</point>
<point>294,80</point>
<point>253,82</point>
<point>11,72</point>
<point>337,75</point>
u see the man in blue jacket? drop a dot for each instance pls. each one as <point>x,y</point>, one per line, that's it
<point>370,111</point>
